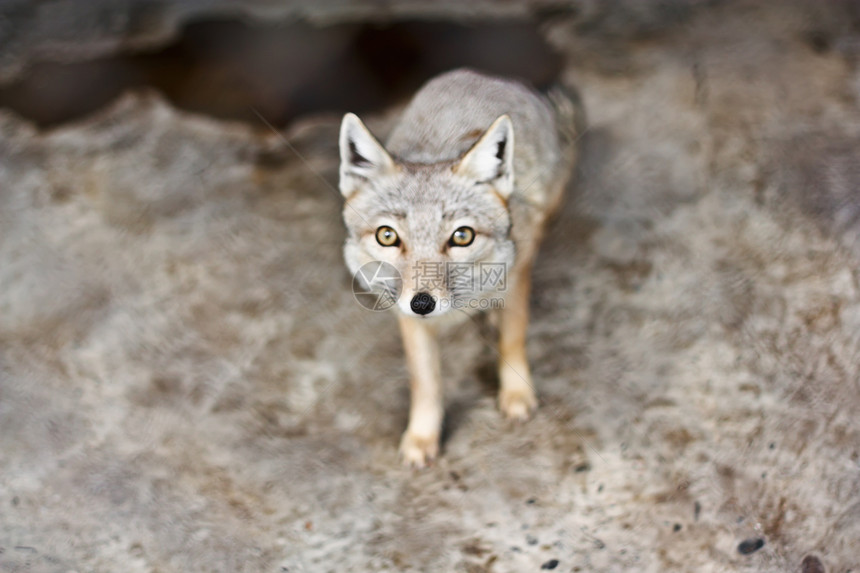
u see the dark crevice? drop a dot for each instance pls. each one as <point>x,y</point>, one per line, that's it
<point>227,68</point>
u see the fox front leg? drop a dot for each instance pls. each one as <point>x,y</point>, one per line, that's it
<point>420,443</point>
<point>517,398</point>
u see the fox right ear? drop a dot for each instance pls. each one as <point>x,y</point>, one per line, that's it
<point>491,158</point>
<point>361,155</point>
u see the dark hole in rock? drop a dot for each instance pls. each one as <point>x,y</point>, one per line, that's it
<point>749,546</point>
<point>812,564</point>
<point>226,68</point>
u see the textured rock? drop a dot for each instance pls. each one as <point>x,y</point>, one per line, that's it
<point>72,30</point>
<point>187,384</point>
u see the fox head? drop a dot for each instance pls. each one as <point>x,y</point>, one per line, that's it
<point>444,226</point>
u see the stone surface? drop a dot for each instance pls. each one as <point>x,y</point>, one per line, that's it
<point>186,383</point>
<point>75,30</point>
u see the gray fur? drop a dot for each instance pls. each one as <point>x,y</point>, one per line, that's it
<point>420,186</point>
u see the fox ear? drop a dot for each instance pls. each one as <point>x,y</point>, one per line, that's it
<point>361,155</point>
<point>491,159</point>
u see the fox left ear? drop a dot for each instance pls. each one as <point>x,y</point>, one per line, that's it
<point>361,155</point>
<point>491,159</point>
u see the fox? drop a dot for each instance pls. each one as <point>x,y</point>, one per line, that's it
<point>468,178</point>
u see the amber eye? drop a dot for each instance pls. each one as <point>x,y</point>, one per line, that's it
<point>462,237</point>
<point>387,237</point>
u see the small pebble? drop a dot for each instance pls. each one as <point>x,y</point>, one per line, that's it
<point>551,564</point>
<point>677,527</point>
<point>531,501</point>
<point>812,564</point>
<point>751,545</point>
<point>531,540</point>
<point>697,509</point>
<point>582,467</point>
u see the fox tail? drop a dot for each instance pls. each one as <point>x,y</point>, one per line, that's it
<point>569,113</point>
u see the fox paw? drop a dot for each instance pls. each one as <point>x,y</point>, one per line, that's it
<point>418,451</point>
<point>517,404</point>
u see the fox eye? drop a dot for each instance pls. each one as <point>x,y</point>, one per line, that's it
<point>387,237</point>
<point>462,237</point>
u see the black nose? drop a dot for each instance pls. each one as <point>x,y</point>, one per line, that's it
<point>422,303</point>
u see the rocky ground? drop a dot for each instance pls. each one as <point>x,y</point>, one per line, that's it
<point>186,383</point>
